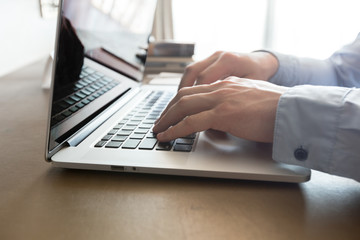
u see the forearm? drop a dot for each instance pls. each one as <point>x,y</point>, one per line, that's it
<point>319,128</point>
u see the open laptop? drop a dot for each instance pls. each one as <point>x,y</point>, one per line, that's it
<point>102,113</point>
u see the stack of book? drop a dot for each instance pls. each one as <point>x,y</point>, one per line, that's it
<point>169,57</point>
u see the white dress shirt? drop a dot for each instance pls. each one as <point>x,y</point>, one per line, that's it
<point>318,119</point>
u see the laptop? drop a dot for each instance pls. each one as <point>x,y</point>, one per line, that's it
<point>102,111</point>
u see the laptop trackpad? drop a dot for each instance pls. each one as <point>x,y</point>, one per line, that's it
<point>213,146</point>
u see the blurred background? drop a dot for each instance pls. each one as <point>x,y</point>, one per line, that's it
<point>305,28</point>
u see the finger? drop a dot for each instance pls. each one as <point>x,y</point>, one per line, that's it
<point>192,71</point>
<point>186,106</point>
<point>194,123</point>
<point>185,92</point>
<point>218,70</point>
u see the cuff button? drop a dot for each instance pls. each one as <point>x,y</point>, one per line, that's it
<point>300,154</point>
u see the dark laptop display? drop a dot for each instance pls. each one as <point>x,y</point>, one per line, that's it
<point>107,34</point>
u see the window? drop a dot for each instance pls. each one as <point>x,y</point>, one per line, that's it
<point>300,27</point>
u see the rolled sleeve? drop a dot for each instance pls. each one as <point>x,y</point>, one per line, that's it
<point>318,127</point>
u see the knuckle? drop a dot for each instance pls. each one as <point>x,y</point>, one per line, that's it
<point>218,53</point>
<point>223,92</point>
<point>201,79</point>
<point>228,81</point>
<point>182,92</point>
<point>228,56</point>
<point>224,89</point>
<point>190,68</point>
<point>183,101</point>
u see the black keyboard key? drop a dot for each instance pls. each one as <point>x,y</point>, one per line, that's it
<point>131,143</point>
<point>141,130</point>
<point>151,135</point>
<point>155,116</point>
<point>186,141</point>
<point>80,105</point>
<point>88,70</point>
<point>137,118</point>
<point>119,138</point>
<point>91,98</point>
<point>66,113</point>
<point>118,126</point>
<point>137,136</point>
<point>182,148</point>
<point>73,109</point>
<point>151,118</point>
<point>141,115</point>
<point>79,85</point>
<point>165,146</point>
<point>113,144</point>
<point>96,95</point>
<point>57,119</point>
<point>128,128</point>
<point>148,121</point>
<point>106,138</point>
<point>107,79</point>
<point>91,78</point>
<point>63,105</point>
<point>98,75</point>
<point>80,95</point>
<point>69,101</point>
<point>100,144</point>
<point>148,144</point>
<point>96,87</point>
<point>85,92</point>
<point>90,89</point>
<point>145,126</point>
<point>75,98</point>
<point>124,133</point>
<point>86,80</point>
<point>85,101</point>
<point>112,132</point>
<point>133,123</point>
<point>191,136</point>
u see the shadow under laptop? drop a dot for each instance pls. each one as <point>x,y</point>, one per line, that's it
<point>141,181</point>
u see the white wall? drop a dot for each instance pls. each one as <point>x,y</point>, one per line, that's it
<point>24,36</point>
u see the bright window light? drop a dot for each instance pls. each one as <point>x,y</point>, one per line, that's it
<point>300,27</point>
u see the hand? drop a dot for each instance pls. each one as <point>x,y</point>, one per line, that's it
<point>242,107</point>
<point>220,65</point>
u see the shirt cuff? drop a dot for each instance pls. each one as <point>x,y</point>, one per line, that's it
<point>285,73</point>
<point>306,126</point>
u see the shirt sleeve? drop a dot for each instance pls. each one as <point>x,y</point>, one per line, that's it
<point>319,127</point>
<point>341,69</point>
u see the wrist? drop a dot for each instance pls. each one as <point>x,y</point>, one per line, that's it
<point>267,62</point>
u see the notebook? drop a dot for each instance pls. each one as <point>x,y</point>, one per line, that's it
<point>102,111</point>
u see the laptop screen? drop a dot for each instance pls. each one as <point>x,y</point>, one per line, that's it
<point>113,33</point>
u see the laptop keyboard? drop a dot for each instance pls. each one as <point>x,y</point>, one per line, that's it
<point>75,96</point>
<point>134,131</point>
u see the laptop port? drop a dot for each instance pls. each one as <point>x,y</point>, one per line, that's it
<point>118,168</point>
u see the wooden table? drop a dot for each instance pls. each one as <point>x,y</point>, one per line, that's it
<point>38,201</point>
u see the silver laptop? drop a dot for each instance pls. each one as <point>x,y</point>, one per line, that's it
<point>102,112</point>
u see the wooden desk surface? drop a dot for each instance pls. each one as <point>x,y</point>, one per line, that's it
<point>38,201</point>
